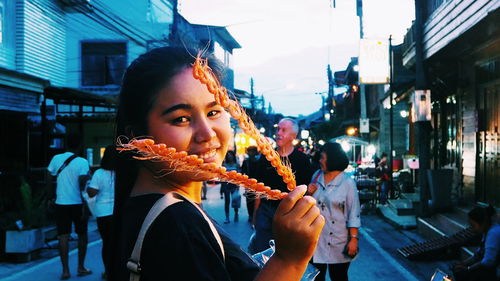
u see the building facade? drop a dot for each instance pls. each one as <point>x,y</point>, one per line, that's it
<point>461,53</point>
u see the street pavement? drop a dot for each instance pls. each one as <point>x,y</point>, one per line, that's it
<point>378,258</point>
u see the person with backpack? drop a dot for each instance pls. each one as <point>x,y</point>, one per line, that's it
<point>71,173</point>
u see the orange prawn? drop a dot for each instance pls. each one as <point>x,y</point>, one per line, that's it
<point>146,149</point>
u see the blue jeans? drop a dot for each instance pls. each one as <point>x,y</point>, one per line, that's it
<point>384,191</point>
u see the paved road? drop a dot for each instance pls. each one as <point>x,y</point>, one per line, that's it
<point>377,260</point>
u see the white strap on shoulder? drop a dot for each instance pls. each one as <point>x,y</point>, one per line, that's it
<point>133,264</point>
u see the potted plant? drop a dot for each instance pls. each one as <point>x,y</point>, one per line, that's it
<point>23,215</point>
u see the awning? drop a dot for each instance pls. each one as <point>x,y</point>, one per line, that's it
<point>350,139</point>
<point>63,95</point>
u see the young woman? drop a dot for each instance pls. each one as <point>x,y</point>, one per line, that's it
<point>102,186</point>
<point>483,264</point>
<point>337,198</point>
<point>161,99</point>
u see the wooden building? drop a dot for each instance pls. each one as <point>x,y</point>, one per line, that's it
<point>461,40</point>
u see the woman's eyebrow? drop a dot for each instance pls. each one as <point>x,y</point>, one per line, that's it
<point>176,107</point>
<point>212,104</point>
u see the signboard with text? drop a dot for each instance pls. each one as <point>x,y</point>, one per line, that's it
<point>373,62</point>
<point>364,125</point>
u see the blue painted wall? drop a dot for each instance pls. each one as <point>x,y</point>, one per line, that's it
<point>40,35</point>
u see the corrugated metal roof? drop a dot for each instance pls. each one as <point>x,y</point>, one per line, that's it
<point>62,95</point>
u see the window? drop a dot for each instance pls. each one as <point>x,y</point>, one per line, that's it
<point>222,54</point>
<point>219,52</point>
<point>103,63</point>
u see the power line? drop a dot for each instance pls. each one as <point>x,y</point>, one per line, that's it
<point>124,24</point>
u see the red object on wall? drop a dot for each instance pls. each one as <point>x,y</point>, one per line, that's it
<point>397,164</point>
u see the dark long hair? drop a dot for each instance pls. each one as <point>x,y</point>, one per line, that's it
<point>108,161</point>
<point>336,159</point>
<point>142,82</point>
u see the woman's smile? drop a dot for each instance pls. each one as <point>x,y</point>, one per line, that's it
<point>209,156</point>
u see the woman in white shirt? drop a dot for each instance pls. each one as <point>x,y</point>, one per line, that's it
<point>102,186</point>
<point>337,198</point>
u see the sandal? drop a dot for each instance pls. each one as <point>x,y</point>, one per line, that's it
<point>65,276</point>
<point>84,272</point>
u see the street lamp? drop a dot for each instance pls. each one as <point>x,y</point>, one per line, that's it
<point>327,116</point>
<point>351,131</point>
<point>304,134</point>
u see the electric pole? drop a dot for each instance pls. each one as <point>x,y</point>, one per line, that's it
<point>423,131</point>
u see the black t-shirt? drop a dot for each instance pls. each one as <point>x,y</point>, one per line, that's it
<point>179,245</point>
<point>266,173</point>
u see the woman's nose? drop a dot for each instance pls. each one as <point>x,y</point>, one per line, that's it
<point>204,131</point>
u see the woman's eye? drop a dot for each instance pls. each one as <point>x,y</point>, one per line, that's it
<point>213,113</point>
<point>180,120</point>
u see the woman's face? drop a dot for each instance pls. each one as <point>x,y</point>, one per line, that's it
<point>476,226</point>
<point>322,162</point>
<point>185,116</point>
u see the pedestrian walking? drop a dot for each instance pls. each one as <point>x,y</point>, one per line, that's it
<point>102,191</point>
<point>337,198</point>
<point>161,99</point>
<point>266,173</point>
<point>231,191</point>
<point>383,173</point>
<point>72,174</point>
<point>204,191</point>
<point>248,168</point>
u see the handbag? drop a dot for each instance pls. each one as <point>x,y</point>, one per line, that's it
<point>91,202</point>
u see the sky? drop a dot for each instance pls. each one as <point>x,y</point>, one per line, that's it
<point>287,44</point>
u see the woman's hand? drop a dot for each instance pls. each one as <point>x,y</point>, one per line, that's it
<point>297,225</point>
<point>352,247</point>
<point>312,188</point>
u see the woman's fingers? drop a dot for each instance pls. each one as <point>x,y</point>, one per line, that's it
<point>318,224</point>
<point>288,202</point>
<point>302,206</point>
<point>310,216</point>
